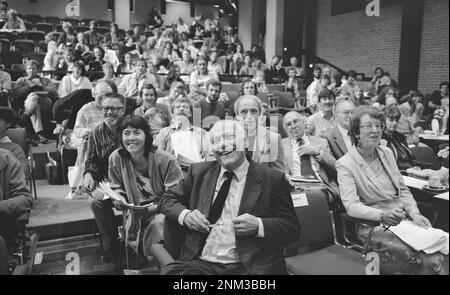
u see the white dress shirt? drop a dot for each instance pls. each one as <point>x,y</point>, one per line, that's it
<point>346,137</point>
<point>296,166</point>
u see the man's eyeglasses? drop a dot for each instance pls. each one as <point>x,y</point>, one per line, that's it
<point>347,113</point>
<point>112,109</point>
<point>369,127</point>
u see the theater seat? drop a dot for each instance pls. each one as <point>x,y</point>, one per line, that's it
<point>44,27</point>
<point>324,256</point>
<point>424,156</point>
<point>332,260</point>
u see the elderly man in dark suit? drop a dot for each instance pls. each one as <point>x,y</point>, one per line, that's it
<point>238,214</point>
<point>338,137</point>
<point>308,157</point>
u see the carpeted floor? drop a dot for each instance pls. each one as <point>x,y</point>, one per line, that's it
<point>52,207</point>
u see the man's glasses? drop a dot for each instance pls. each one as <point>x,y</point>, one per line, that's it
<point>112,109</point>
<point>369,127</point>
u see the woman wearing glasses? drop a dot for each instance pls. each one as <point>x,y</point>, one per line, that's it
<point>372,188</point>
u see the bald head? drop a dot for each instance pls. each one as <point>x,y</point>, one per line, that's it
<point>227,143</point>
<point>294,124</point>
<point>100,89</point>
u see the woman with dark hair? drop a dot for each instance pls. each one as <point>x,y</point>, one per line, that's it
<point>141,174</point>
<point>372,188</point>
<point>75,80</point>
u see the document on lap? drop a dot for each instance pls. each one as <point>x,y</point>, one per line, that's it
<point>429,240</point>
<point>109,193</point>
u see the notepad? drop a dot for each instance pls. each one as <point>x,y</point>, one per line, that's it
<point>299,200</point>
<point>429,240</point>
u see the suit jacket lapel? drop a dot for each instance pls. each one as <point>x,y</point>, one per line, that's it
<point>389,168</point>
<point>368,173</point>
<point>208,187</point>
<point>339,140</point>
<point>252,190</point>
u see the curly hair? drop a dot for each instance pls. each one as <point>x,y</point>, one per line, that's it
<point>137,122</point>
<point>355,120</point>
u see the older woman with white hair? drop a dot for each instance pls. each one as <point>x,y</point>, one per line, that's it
<point>372,188</point>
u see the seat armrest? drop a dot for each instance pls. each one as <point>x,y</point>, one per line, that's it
<point>161,255</point>
<point>345,216</point>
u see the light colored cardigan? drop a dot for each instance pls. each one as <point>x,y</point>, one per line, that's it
<point>361,196</point>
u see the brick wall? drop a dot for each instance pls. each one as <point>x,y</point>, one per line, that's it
<point>355,41</point>
<point>434,45</point>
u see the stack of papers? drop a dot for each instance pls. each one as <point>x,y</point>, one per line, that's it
<point>429,240</point>
<point>109,193</point>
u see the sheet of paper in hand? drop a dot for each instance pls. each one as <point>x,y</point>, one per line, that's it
<point>109,193</point>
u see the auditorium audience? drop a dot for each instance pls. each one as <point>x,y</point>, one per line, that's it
<point>173,101</point>
<point>371,187</point>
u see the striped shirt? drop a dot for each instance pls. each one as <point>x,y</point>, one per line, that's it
<point>102,142</point>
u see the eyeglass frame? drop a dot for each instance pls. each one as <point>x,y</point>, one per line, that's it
<point>369,127</point>
<point>112,109</point>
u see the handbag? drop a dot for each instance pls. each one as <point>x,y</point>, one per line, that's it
<point>75,177</point>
